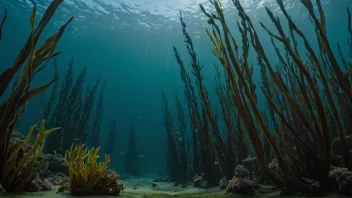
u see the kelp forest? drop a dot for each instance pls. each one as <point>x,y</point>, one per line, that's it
<point>300,142</point>
<point>285,133</point>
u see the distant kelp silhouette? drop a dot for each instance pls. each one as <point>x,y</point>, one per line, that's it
<point>34,61</point>
<point>176,152</point>
<point>132,164</point>
<point>71,107</point>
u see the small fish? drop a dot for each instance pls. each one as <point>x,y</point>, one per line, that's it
<point>140,118</point>
<point>122,153</point>
<point>141,156</point>
<point>54,152</point>
<point>180,139</point>
<point>178,132</point>
<point>76,139</point>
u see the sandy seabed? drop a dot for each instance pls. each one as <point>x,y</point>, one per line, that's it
<point>142,187</point>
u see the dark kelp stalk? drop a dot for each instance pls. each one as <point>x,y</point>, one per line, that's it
<point>302,140</point>
<point>72,108</point>
<point>308,115</point>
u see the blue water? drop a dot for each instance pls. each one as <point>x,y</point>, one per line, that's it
<point>129,43</point>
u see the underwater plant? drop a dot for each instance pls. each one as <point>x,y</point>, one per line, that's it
<point>111,138</point>
<point>28,64</point>
<point>98,117</point>
<point>214,149</point>
<point>3,22</point>
<point>176,149</point>
<point>72,108</point>
<point>87,175</point>
<point>111,142</point>
<point>132,165</point>
<point>21,165</point>
<point>301,97</point>
<point>204,118</point>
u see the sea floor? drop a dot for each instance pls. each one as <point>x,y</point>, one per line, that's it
<point>145,188</point>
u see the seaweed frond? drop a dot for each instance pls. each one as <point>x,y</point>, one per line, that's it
<point>30,61</point>
<point>3,22</point>
<point>87,176</point>
<point>21,165</point>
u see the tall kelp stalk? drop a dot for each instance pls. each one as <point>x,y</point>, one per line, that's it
<point>46,110</point>
<point>235,144</point>
<point>303,147</point>
<point>111,141</point>
<point>183,152</point>
<point>66,99</point>
<point>71,110</point>
<point>194,115</point>
<point>86,112</point>
<point>132,164</point>
<point>229,148</point>
<point>34,60</point>
<point>98,118</point>
<point>345,105</point>
<point>207,153</point>
<point>176,153</point>
<point>3,22</point>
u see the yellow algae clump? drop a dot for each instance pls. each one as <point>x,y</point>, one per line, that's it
<point>89,177</point>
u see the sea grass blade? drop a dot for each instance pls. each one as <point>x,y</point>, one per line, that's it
<point>3,22</point>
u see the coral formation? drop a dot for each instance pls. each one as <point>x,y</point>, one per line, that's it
<point>200,182</point>
<point>38,184</point>
<point>241,172</point>
<point>87,176</point>
<point>223,183</point>
<point>241,183</point>
<point>58,178</point>
<point>343,180</point>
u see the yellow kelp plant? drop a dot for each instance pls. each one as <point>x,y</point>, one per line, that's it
<point>87,176</point>
<point>21,165</point>
<point>16,80</point>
